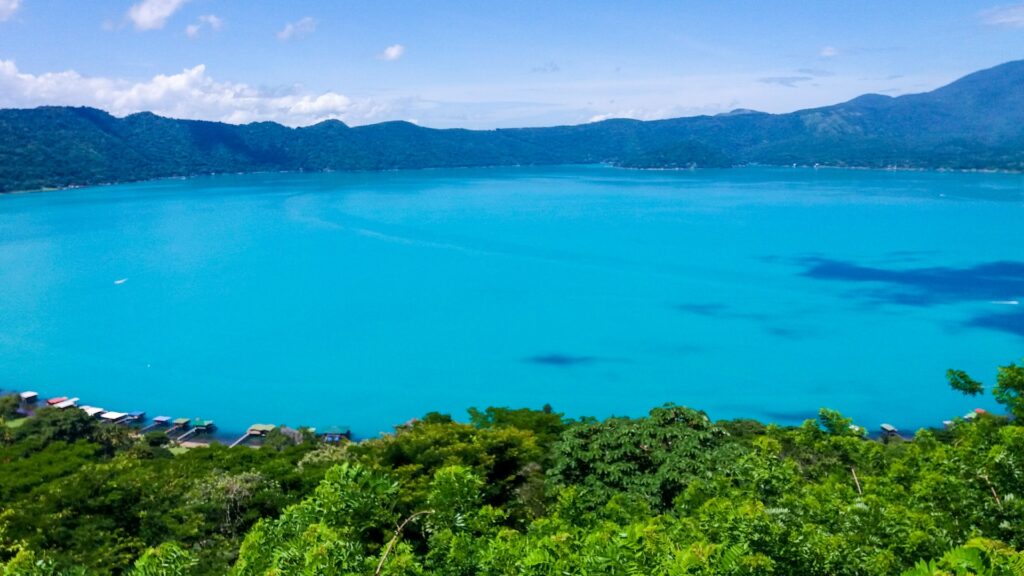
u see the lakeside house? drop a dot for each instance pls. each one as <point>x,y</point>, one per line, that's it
<point>113,417</point>
<point>68,403</point>
<point>92,410</point>
<point>335,434</point>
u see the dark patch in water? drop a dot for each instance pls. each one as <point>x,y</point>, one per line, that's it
<point>687,349</point>
<point>788,417</point>
<point>910,253</point>
<point>1012,322</point>
<point>709,310</point>
<point>926,286</point>
<point>719,310</point>
<point>787,333</point>
<point>988,282</point>
<point>724,312</point>
<point>561,360</point>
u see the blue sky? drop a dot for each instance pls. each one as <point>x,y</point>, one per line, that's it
<point>485,64</point>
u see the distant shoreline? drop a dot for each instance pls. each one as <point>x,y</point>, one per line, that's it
<point>921,169</point>
<point>226,436</point>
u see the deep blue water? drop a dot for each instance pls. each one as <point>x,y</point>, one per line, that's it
<point>369,299</point>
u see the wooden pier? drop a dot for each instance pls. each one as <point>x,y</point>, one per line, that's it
<point>92,411</point>
<point>178,424</point>
<point>159,421</point>
<point>254,431</point>
<point>197,427</point>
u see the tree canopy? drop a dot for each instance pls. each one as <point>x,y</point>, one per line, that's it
<point>523,492</point>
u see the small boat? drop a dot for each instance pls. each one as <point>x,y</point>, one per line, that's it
<point>57,400</point>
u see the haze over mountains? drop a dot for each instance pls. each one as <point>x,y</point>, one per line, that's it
<point>976,122</point>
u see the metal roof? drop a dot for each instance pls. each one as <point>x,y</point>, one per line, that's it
<point>67,403</point>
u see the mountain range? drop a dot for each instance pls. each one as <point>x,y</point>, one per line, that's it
<point>976,122</point>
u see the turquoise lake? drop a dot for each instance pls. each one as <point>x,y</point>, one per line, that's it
<point>368,299</point>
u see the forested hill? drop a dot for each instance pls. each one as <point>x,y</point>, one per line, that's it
<point>976,122</point>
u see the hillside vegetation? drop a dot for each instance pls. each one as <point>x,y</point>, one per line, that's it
<point>522,492</point>
<point>976,122</point>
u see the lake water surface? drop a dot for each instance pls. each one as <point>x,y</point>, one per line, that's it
<point>369,299</point>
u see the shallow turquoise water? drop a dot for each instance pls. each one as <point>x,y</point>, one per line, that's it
<point>369,299</point>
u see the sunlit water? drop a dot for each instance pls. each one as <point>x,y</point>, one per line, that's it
<point>370,299</point>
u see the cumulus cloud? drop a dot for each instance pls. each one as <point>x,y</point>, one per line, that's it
<point>829,52</point>
<point>206,21</point>
<point>1005,16</point>
<point>816,72</point>
<point>787,81</point>
<point>299,29</point>
<point>655,113</point>
<point>195,93</point>
<point>8,8</point>
<point>191,93</point>
<point>393,52</point>
<point>548,67</point>
<point>153,14</point>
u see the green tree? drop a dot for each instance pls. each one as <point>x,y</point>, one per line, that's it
<point>835,424</point>
<point>28,563</point>
<point>545,424</point>
<point>1009,388</point>
<point>338,530</point>
<point>959,380</point>
<point>168,559</point>
<point>979,557</point>
<point>9,405</point>
<point>654,458</point>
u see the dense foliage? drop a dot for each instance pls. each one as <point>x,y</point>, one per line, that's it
<point>974,123</point>
<point>523,492</point>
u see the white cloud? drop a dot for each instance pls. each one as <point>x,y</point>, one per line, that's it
<point>8,8</point>
<point>829,52</point>
<point>393,52</point>
<point>189,94</point>
<point>153,14</point>
<point>787,81</point>
<point>656,113</point>
<point>549,100</point>
<point>207,20</point>
<point>299,29</point>
<point>548,67</point>
<point>1005,16</point>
